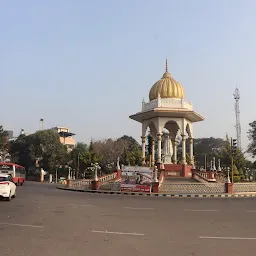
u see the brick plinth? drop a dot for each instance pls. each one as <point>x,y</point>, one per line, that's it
<point>193,173</point>
<point>95,185</point>
<point>155,187</point>
<point>119,174</point>
<point>229,188</point>
<point>211,175</point>
<point>68,184</point>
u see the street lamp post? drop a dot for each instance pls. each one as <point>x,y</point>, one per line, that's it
<point>228,179</point>
<point>211,168</point>
<point>69,169</point>
<point>219,167</point>
<point>214,165</point>
<point>155,174</point>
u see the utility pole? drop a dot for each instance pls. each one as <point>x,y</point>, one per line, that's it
<point>237,111</point>
<point>78,164</point>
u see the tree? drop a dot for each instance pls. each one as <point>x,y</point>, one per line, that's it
<point>3,139</point>
<point>107,152</point>
<point>208,147</point>
<point>225,155</point>
<point>236,174</point>
<point>131,154</point>
<point>44,146</point>
<point>252,138</point>
<point>20,149</point>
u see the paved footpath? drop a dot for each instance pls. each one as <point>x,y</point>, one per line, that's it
<point>45,221</point>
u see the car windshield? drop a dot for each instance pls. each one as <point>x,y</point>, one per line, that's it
<point>3,179</point>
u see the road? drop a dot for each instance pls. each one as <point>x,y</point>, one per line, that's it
<point>45,221</point>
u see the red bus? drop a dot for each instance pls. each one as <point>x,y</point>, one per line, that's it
<point>16,171</point>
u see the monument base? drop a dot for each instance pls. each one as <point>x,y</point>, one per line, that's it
<point>176,170</point>
<point>168,159</point>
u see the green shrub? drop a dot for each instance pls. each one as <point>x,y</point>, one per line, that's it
<point>237,178</point>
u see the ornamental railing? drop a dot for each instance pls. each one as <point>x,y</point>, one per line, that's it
<point>244,187</point>
<point>167,103</point>
<point>197,188</point>
<point>86,183</point>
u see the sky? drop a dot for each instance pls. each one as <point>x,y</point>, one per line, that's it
<point>87,65</point>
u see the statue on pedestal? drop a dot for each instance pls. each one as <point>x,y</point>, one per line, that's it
<point>167,150</point>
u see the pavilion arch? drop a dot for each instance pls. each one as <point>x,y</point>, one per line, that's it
<point>189,130</point>
<point>173,127</point>
<point>151,124</point>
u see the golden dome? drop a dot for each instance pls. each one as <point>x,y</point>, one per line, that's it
<point>166,87</point>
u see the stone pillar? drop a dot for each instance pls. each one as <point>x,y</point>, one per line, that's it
<point>159,148</point>
<point>175,151</point>
<point>153,152</point>
<point>143,142</point>
<point>191,153</point>
<point>184,149</point>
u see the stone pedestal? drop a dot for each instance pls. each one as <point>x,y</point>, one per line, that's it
<point>193,173</point>
<point>211,175</point>
<point>119,174</point>
<point>68,184</point>
<point>155,187</point>
<point>168,159</point>
<point>229,188</point>
<point>95,185</point>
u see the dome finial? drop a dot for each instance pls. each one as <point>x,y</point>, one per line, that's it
<point>166,65</point>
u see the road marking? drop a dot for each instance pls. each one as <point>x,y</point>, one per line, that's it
<point>21,225</point>
<point>227,238</point>
<point>188,210</point>
<point>133,208</point>
<point>118,233</point>
<point>80,205</point>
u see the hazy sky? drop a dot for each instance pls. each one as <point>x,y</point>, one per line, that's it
<point>87,65</point>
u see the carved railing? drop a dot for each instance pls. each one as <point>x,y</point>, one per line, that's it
<point>107,178</point>
<point>86,183</point>
<point>167,103</point>
<point>205,176</point>
<point>221,178</point>
<point>83,183</point>
<point>201,177</point>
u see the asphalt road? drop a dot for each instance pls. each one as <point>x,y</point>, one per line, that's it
<point>45,221</point>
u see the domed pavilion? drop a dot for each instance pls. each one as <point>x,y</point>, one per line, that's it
<point>168,114</point>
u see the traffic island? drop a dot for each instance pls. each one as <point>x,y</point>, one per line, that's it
<point>245,195</point>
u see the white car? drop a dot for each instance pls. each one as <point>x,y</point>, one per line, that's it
<point>7,187</point>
